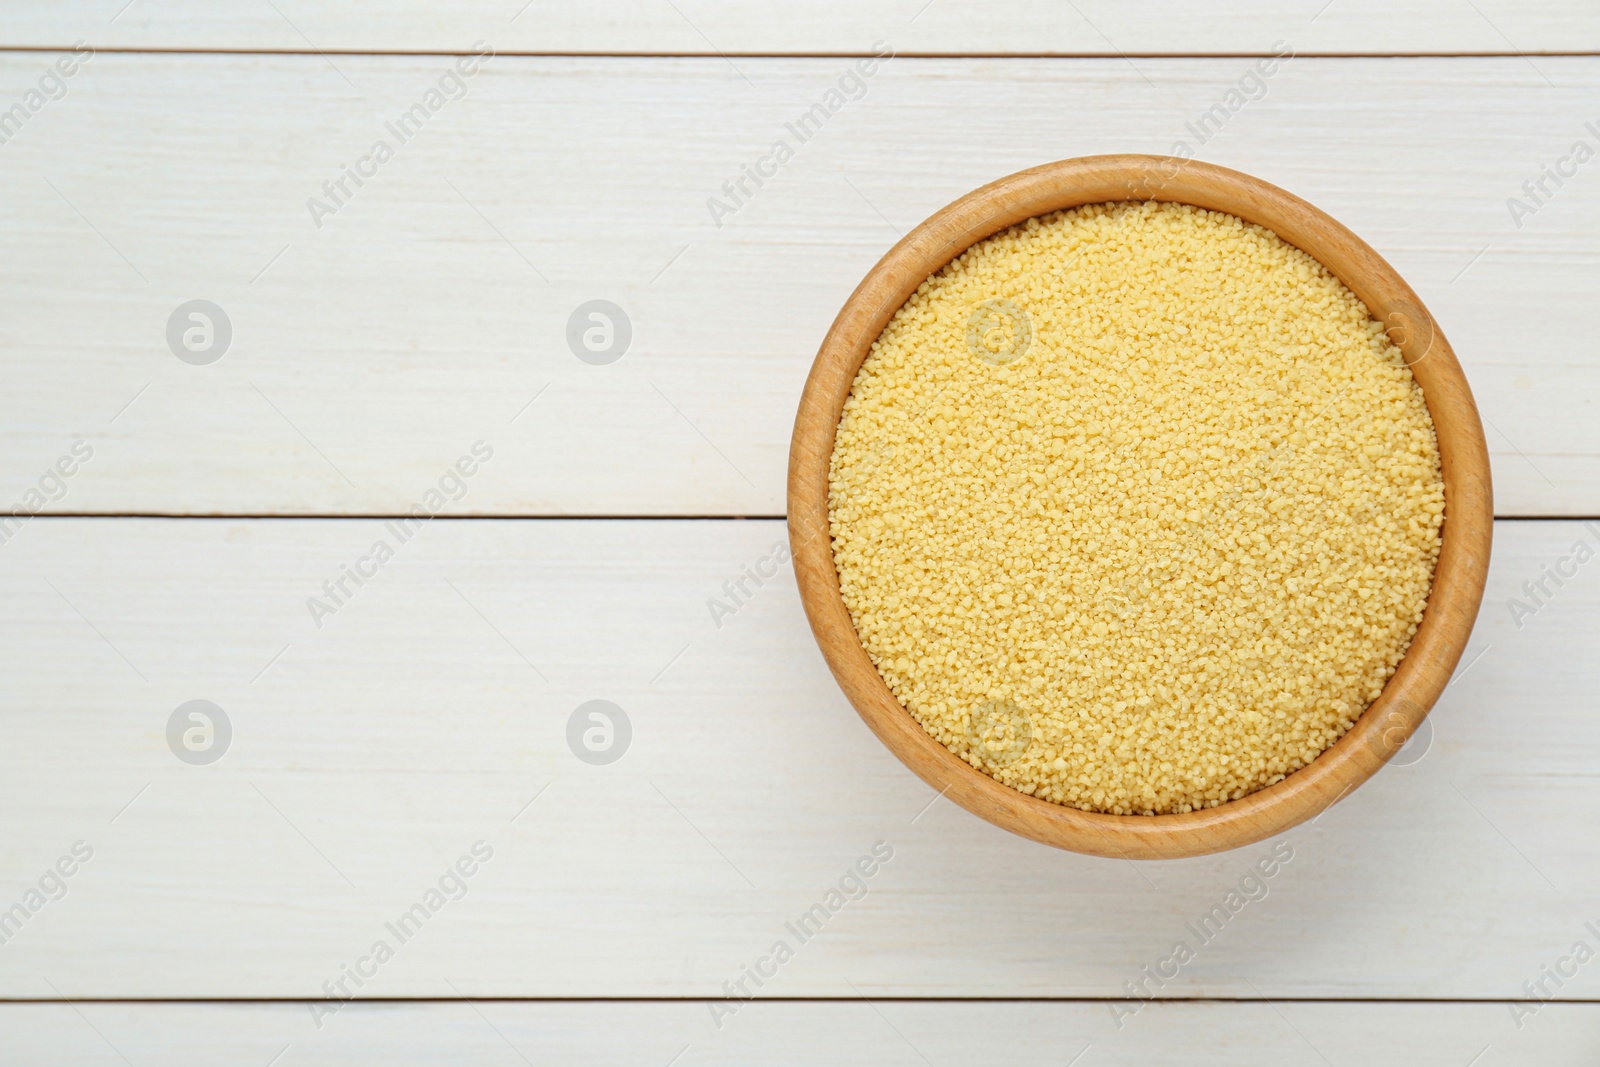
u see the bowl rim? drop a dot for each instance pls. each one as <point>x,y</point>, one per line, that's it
<point>1459,574</point>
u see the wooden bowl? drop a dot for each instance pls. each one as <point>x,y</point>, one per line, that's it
<point>1458,580</point>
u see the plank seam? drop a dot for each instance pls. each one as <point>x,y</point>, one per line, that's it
<point>1113,56</point>
<point>795,1000</point>
<point>382,516</point>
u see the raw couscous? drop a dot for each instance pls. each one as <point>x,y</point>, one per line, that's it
<point>1135,508</point>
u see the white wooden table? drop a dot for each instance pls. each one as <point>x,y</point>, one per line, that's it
<point>372,744</point>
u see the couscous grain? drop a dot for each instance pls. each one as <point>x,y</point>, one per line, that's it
<point>1135,507</point>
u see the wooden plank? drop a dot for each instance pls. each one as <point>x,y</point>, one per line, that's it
<point>707,27</point>
<point>854,1031</point>
<point>432,308</point>
<point>433,706</point>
